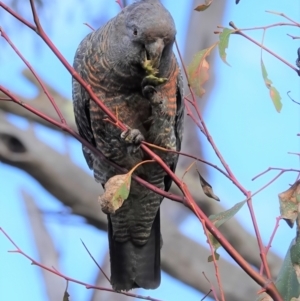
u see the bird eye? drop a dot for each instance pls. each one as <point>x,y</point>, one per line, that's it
<point>135,32</point>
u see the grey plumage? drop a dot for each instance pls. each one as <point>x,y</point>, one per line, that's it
<point>111,59</point>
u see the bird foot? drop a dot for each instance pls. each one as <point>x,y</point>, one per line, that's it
<point>152,95</point>
<point>156,100</point>
<point>134,137</point>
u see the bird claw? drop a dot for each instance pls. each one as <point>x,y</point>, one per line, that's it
<point>133,136</point>
<point>151,94</point>
<point>155,98</point>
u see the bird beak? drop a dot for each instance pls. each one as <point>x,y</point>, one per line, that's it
<point>154,51</point>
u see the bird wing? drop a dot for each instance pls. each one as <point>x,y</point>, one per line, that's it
<point>81,101</point>
<point>178,125</point>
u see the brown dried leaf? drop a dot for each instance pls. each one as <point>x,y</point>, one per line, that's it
<point>66,294</point>
<point>204,6</point>
<point>289,203</point>
<point>207,189</point>
<point>116,192</point>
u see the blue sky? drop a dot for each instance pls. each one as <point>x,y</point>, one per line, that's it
<point>240,116</point>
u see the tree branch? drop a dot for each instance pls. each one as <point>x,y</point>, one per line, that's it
<point>77,190</point>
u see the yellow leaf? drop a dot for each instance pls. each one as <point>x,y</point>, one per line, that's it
<point>198,70</point>
<point>204,6</point>
<point>274,94</point>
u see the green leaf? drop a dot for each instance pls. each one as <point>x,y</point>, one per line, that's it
<point>222,217</point>
<point>219,219</point>
<point>223,43</point>
<point>274,94</point>
<point>289,203</point>
<point>198,70</point>
<point>211,259</point>
<point>122,192</point>
<point>287,283</point>
<point>295,257</point>
<point>203,7</point>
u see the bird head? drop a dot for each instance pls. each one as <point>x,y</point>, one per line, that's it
<point>148,35</point>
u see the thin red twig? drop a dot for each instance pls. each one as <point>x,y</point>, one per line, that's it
<point>84,142</point>
<point>5,99</point>
<point>44,88</point>
<point>266,26</point>
<point>270,287</point>
<point>283,170</point>
<point>283,15</point>
<point>67,278</point>
<point>237,31</point>
<point>89,26</point>
<point>228,170</point>
<point>120,4</point>
<point>267,184</point>
<point>262,251</point>
<point>215,265</point>
<point>189,156</point>
<point>271,239</point>
<point>212,288</point>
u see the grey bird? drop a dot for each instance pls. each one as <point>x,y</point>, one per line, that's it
<point>130,65</point>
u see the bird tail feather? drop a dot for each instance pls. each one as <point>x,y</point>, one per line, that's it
<point>134,266</point>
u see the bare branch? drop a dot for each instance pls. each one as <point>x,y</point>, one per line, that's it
<point>55,286</point>
<point>77,190</point>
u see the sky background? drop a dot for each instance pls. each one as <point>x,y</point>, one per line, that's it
<point>249,132</point>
